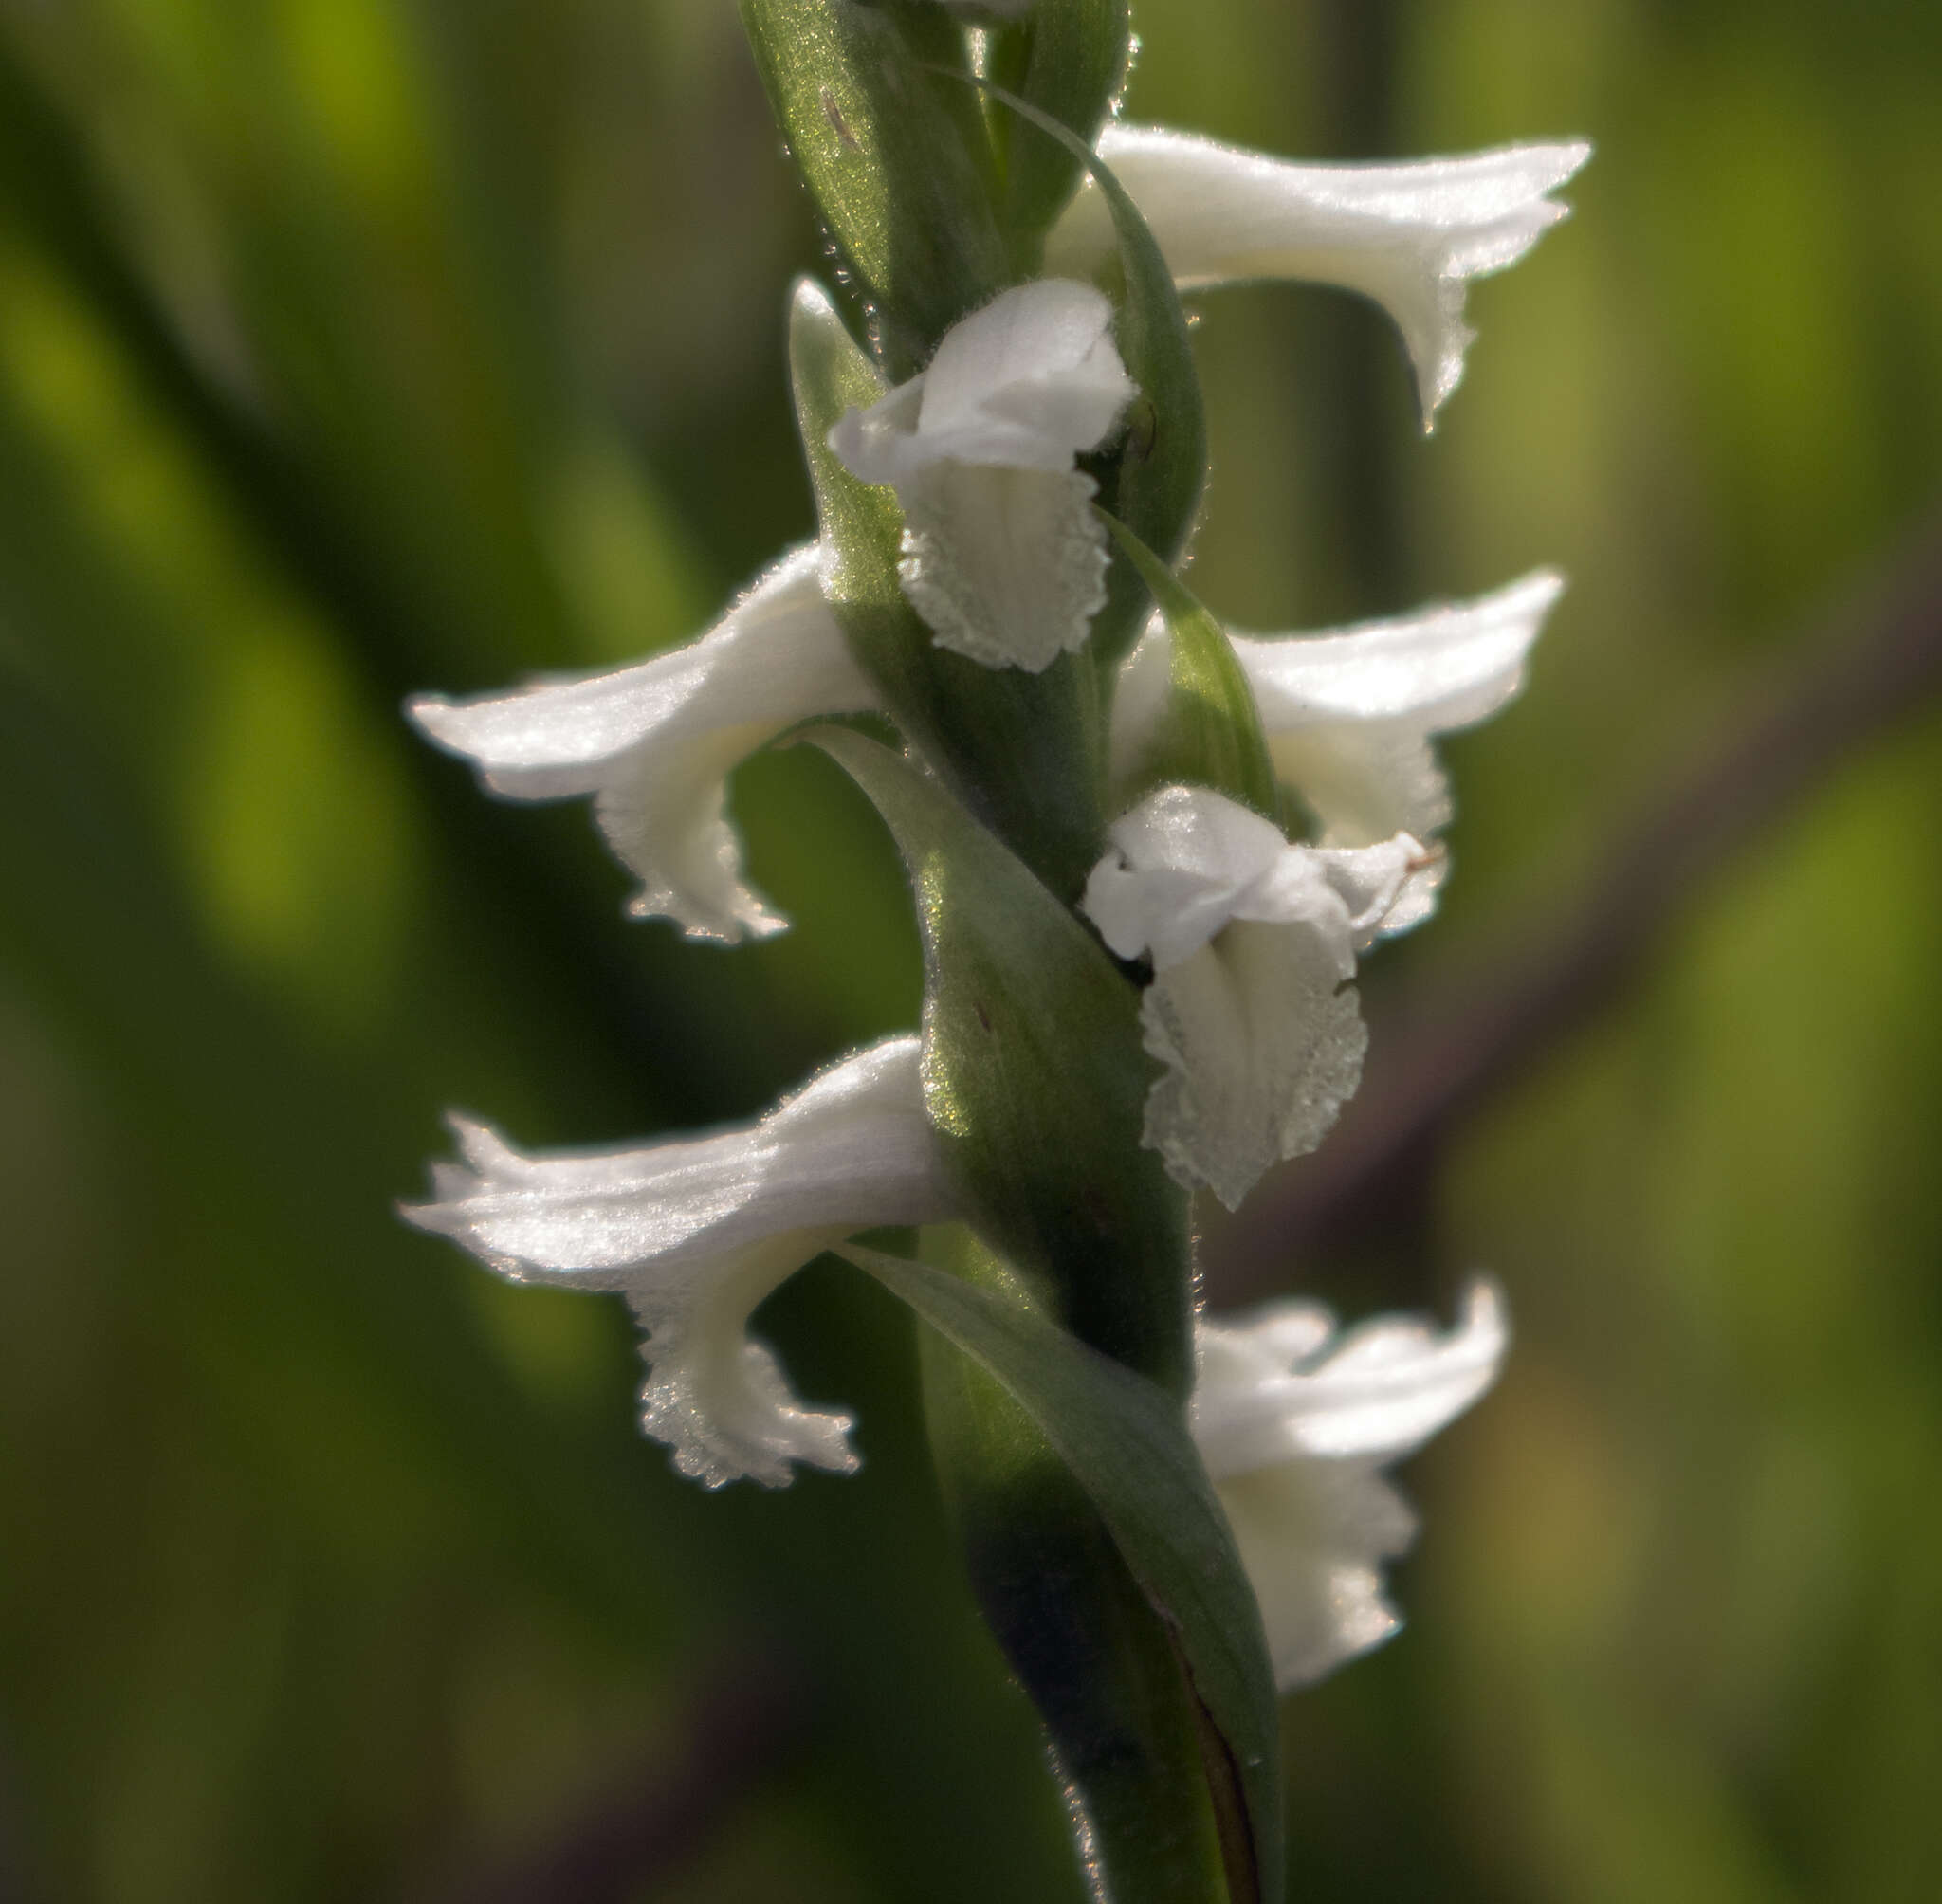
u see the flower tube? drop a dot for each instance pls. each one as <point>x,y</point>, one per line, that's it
<point>696,1233</point>
<point>1296,1424</point>
<point>654,744</point>
<point>1410,236</point>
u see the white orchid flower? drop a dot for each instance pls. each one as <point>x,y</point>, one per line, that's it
<point>1252,942</point>
<point>654,744</point>
<point>1410,236</point>
<point>696,1233</point>
<point>1003,557</point>
<point>1348,713</point>
<point>1295,1424</point>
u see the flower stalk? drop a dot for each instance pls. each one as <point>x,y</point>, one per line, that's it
<point>1137,977</point>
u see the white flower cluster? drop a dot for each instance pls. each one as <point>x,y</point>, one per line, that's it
<point>1251,939</point>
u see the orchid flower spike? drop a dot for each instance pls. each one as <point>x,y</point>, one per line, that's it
<point>1002,555</point>
<point>653,744</point>
<point>1252,942</point>
<point>696,1233</point>
<point>1410,236</point>
<point>1348,713</point>
<point>1295,1424</point>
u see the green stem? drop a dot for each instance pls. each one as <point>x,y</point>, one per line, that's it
<point>1097,1662</point>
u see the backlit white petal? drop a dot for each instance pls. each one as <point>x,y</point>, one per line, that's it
<point>1252,942</point>
<point>1410,236</point>
<point>697,1231</point>
<point>654,743</point>
<point>1348,713</point>
<point>1312,1538</point>
<point>1378,1390</point>
<point>1295,1426</point>
<point>1002,555</point>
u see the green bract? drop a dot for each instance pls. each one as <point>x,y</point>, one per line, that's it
<point>1068,57</point>
<point>1124,1441</point>
<point>1209,733</point>
<point>1034,1078</point>
<point>1024,752</point>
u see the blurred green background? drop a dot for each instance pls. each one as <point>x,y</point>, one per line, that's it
<point>349,347</point>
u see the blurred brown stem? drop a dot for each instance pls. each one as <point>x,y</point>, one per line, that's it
<point>1874,661</point>
<point>748,1719</point>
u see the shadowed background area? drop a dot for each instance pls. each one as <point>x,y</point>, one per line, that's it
<point>351,347</point>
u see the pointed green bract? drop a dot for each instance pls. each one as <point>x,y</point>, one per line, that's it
<point>894,154</point>
<point>1023,751</point>
<point>1098,1660</point>
<point>1035,1079</point>
<point>1210,734</point>
<point>1154,482</point>
<point>1069,58</point>
<point>1126,1443</point>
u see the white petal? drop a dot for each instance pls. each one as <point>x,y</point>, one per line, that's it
<point>1180,861</point>
<point>1005,565</point>
<point>1251,941</point>
<point>1409,237</point>
<point>1262,1043</point>
<point>1294,1432</point>
<point>654,743</point>
<point>879,444</point>
<point>1003,557</point>
<point>1038,359</point>
<point>1266,1395</point>
<point>1330,887</point>
<point>1313,1537</point>
<point>1447,666</point>
<point>698,1232</point>
<point>1187,860</point>
<point>1348,713</point>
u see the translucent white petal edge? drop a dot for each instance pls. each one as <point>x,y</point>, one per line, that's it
<point>1410,236</point>
<point>1295,1424</point>
<point>696,1232</point>
<point>654,743</point>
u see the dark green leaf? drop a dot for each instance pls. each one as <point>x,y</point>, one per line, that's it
<point>1210,733</point>
<point>1124,1441</point>
<point>1035,1079</point>
<point>894,154</point>
<point>1022,750</point>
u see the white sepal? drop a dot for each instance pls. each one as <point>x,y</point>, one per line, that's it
<point>1295,1424</point>
<point>1410,236</point>
<point>1002,555</point>
<point>1348,713</point>
<point>696,1233</point>
<point>654,743</point>
<point>1252,942</point>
